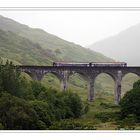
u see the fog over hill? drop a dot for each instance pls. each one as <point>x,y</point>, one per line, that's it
<point>124,46</point>
<point>49,46</point>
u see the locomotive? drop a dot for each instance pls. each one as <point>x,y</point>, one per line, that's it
<point>91,64</point>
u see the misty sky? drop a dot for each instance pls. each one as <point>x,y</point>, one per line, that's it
<point>81,27</point>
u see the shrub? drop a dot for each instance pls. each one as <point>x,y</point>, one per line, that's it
<point>130,103</point>
<point>71,124</point>
<point>128,122</point>
<point>29,105</point>
<point>44,113</point>
<point>16,113</point>
<point>107,116</point>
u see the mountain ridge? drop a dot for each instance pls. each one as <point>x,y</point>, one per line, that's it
<point>59,48</point>
<point>123,46</point>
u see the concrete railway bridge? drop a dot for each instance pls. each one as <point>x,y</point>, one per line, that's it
<point>88,73</point>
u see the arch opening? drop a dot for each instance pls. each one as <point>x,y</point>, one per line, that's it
<point>26,75</point>
<point>77,83</point>
<point>51,80</point>
<point>127,81</point>
<point>104,86</point>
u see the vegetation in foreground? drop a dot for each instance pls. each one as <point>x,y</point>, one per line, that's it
<point>28,105</point>
<point>130,107</point>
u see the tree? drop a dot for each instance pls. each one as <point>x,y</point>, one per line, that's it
<point>9,78</point>
<point>12,82</point>
<point>43,111</point>
<point>16,113</point>
<point>74,103</point>
<point>130,103</point>
<point>29,105</point>
<point>37,88</point>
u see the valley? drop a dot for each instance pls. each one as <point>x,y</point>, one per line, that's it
<point>24,45</point>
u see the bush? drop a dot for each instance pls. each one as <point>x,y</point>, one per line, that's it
<point>107,116</point>
<point>44,113</point>
<point>29,105</point>
<point>74,102</point>
<point>16,113</point>
<point>37,88</point>
<point>128,123</point>
<point>130,103</point>
<point>63,105</point>
<point>12,82</point>
<point>9,78</point>
<point>108,105</point>
<point>71,124</point>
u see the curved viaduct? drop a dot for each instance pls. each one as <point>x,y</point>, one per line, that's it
<point>88,73</point>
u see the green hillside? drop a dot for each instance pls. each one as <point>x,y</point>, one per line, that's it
<point>22,50</point>
<point>55,46</point>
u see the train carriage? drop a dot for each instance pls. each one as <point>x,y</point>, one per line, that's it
<point>91,64</point>
<point>108,64</point>
<point>70,64</point>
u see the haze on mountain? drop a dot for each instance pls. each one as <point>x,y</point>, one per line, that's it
<point>124,46</point>
<point>35,46</point>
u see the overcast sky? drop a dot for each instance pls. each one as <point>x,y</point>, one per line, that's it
<point>81,27</point>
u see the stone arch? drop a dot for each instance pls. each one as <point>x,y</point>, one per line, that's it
<point>27,75</point>
<point>108,89</point>
<point>107,73</point>
<point>78,82</point>
<point>51,78</point>
<point>82,74</point>
<point>133,72</point>
<point>31,74</point>
<point>59,76</point>
<point>128,80</point>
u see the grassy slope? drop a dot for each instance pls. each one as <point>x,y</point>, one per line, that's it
<point>68,51</point>
<point>21,50</point>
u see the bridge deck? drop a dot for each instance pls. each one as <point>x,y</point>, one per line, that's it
<point>77,67</point>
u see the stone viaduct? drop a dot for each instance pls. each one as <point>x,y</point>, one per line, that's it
<point>88,73</point>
